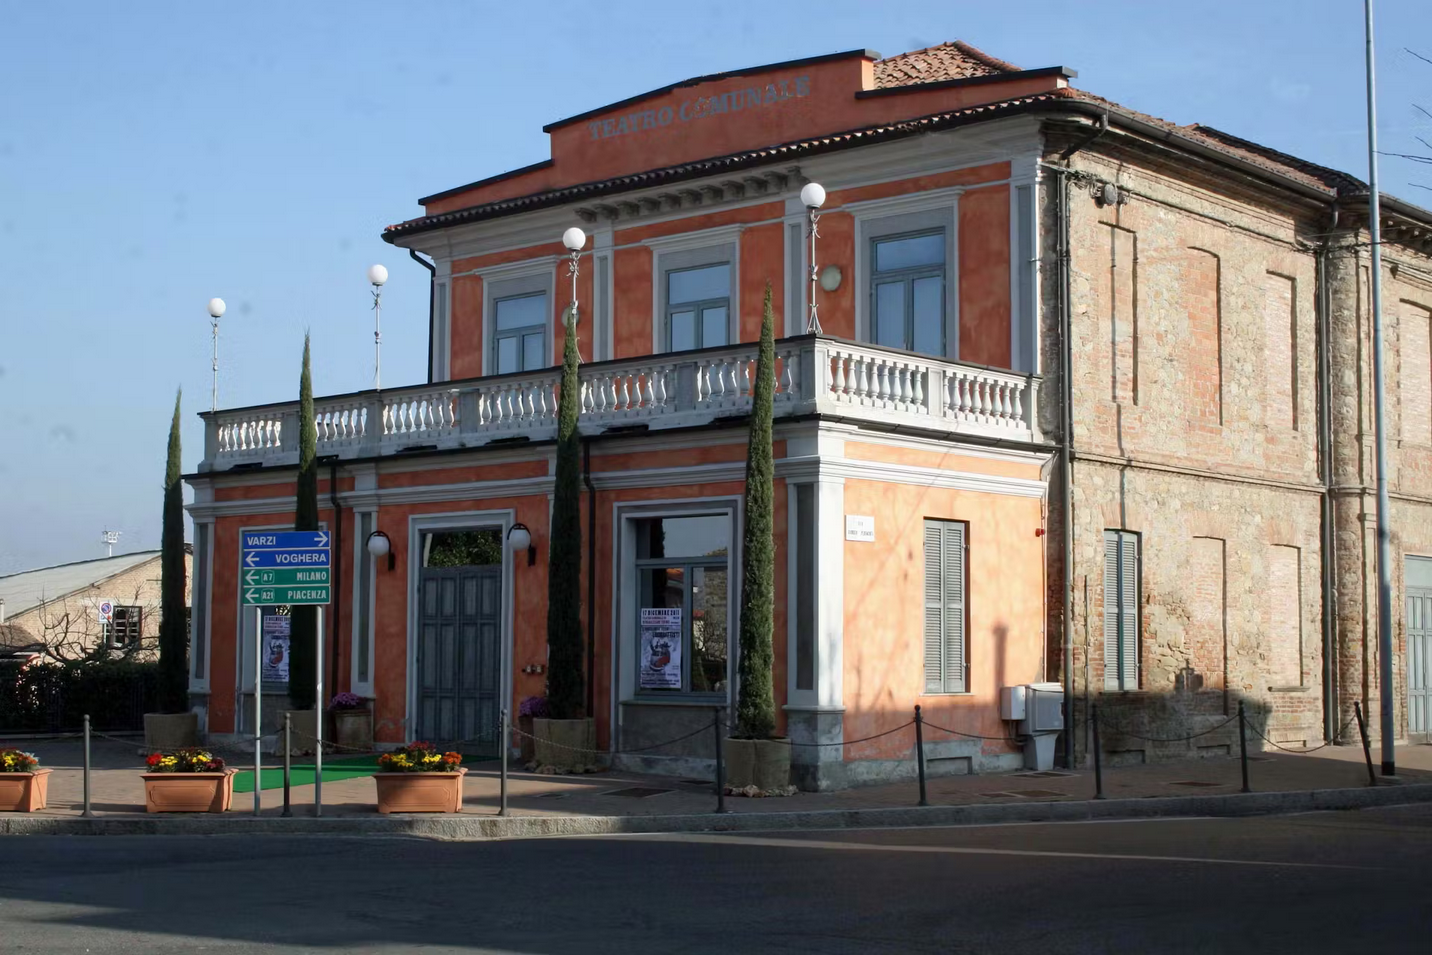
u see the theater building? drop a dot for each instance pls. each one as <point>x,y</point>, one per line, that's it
<point>1082,401</point>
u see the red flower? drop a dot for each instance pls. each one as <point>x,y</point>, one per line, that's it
<point>153,759</point>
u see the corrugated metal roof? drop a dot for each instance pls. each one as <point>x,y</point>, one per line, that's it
<point>28,589</point>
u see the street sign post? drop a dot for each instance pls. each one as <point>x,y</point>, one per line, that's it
<point>292,568</point>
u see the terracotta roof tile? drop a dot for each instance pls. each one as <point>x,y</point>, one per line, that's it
<point>947,61</point>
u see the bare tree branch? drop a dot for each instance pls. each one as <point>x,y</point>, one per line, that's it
<point>1418,55</point>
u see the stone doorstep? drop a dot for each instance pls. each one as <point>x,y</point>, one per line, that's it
<point>459,826</point>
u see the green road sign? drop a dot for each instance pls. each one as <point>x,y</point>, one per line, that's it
<point>287,577</point>
<point>269,596</point>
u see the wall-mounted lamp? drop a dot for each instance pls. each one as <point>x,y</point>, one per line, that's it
<point>519,538</point>
<point>830,277</point>
<point>379,546</point>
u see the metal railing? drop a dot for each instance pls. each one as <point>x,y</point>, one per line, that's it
<point>814,375</point>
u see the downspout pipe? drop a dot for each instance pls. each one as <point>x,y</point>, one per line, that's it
<point>591,577</point>
<point>337,589</point>
<point>1325,455</point>
<point>432,284</point>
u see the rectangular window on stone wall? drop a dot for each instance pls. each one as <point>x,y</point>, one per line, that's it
<point>1280,337</point>
<point>1122,610</point>
<point>1284,592</point>
<point>1122,293</point>
<point>946,663</point>
<point>1416,377</point>
<point>1206,588</point>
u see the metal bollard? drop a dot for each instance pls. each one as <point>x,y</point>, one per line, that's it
<point>1243,745</point>
<point>503,744</point>
<point>720,766</point>
<point>287,761</point>
<point>1366,744</point>
<point>1098,761</point>
<point>88,814</point>
<point>920,752</point>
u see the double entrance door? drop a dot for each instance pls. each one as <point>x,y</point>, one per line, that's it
<point>459,655</point>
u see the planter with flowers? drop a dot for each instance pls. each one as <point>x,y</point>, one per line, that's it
<point>417,778</point>
<point>187,780</point>
<point>532,708</point>
<point>352,723</point>
<point>23,784</point>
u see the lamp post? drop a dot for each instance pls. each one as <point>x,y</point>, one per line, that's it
<point>574,238</point>
<point>216,311</point>
<point>377,275</point>
<point>813,197</point>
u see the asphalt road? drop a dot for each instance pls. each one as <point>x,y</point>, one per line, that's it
<point>1334,882</point>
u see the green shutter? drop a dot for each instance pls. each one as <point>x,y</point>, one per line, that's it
<point>934,609</point>
<point>945,663</point>
<point>954,608</point>
<point>1121,610</point>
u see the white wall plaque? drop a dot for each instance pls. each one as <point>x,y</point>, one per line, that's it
<point>859,527</point>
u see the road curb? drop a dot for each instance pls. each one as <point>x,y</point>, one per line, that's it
<point>470,827</point>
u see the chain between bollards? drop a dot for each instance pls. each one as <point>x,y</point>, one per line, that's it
<point>720,763</point>
<point>505,743</point>
<point>920,752</point>
<point>1366,743</point>
<point>88,814</point>
<point>1243,745</point>
<point>287,761</point>
<point>1098,760</point>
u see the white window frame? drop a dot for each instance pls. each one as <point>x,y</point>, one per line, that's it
<point>692,250</point>
<point>201,590</point>
<point>510,282</point>
<point>918,212</point>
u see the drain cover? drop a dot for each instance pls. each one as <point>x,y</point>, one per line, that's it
<point>1194,782</point>
<point>636,792</point>
<point>1036,793</point>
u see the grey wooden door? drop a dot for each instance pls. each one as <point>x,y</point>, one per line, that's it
<point>459,657</point>
<point>1419,664</point>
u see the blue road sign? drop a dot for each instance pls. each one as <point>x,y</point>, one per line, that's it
<point>285,540</point>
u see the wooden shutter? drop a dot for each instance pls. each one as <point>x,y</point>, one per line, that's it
<point>945,663</point>
<point>1121,610</point>
<point>1129,609</point>
<point>934,609</point>
<point>954,608</point>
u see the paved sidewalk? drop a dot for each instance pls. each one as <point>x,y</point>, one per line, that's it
<point>117,790</point>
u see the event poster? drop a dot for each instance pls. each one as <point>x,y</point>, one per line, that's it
<point>277,628</point>
<point>661,648</point>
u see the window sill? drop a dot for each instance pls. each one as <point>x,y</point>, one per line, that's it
<point>947,695</point>
<point>1289,689</point>
<point>687,701</point>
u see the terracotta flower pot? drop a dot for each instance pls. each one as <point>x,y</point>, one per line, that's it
<point>567,746</point>
<point>353,730</point>
<point>419,792</point>
<point>188,792</point>
<point>24,792</point>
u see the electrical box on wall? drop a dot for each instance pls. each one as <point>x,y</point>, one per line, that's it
<point>1012,702</point>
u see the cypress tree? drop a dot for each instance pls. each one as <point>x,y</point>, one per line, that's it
<point>565,690</point>
<point>756,705</point>
<point>303,646</point>
<point>173,634</point>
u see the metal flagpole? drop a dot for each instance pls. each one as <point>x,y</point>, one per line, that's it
<point>258,709</point>
<point>318,724</point>
<point>1384,540</point>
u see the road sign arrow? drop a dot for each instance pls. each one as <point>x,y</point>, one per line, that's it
<point>251,578</point>
<point>252,596</point>
<point>322,538</point>
<point>251,559</point>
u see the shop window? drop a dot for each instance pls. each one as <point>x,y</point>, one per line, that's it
<point>125,628</point>
<point>1122,611</point>
<point>946,663</point>
<point>683,607</point>
<point>520,333</point>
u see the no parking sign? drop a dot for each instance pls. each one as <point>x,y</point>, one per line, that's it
<point>106,611</point>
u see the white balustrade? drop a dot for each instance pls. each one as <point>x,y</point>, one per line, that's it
<point>850,381</point>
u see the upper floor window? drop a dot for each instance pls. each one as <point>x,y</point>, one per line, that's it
<point>520,333</point>
<point>698,307</point>
<point>125,627</point>
<point>907,291</point>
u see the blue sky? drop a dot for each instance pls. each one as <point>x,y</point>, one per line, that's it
<point>155,155</point>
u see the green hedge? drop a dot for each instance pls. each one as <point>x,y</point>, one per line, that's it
<point>55,697</point>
